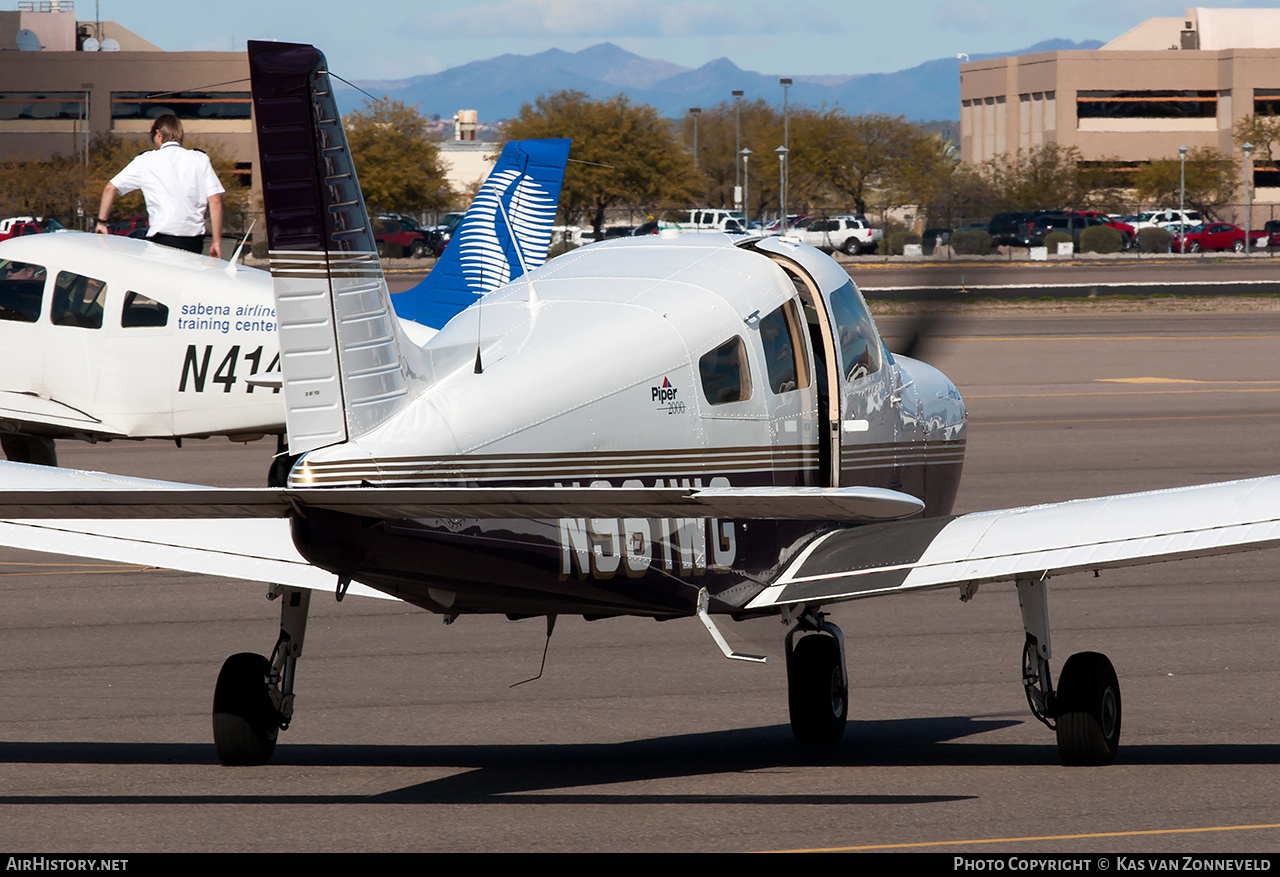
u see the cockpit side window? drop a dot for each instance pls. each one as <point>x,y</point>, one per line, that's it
<point>726,377</point>
<point>21,291</point>
<point>78,301</point>
<point>858,343</point>
<point>784,355</point>
<point>141,311</point>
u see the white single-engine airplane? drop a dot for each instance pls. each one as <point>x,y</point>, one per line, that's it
<point>662,427</point>
<point>105,337</point>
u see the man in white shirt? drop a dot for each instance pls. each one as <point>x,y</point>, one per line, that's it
<point>177,184</point>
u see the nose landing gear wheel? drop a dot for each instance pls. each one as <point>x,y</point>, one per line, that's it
<point>817,694</point>
<point>245,720</point>
<point>1088,710</point>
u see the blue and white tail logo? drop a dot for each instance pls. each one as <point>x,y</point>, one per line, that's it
<point>505,232</point>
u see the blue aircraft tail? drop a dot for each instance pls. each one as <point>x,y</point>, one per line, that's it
<point>505,232</point>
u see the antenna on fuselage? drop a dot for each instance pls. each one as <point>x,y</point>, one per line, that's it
<point>551,626</point>
<point>235,257</point>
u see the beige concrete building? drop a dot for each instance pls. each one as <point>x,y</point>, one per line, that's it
<point>1169,82</point>
<point>64,81</point>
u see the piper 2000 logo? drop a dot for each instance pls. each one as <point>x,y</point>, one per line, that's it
<point>664,398</point>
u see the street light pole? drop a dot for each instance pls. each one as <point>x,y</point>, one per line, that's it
<point>746,178</point>
<point>782,187</point>
<point>1182,198</point>
<point>1248,179</point>
<point>786,147</point>
<point>695,112</point>
<point>737,145</point>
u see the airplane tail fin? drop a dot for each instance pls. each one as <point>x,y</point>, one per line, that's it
<point>505,233</point>
<point>340,350</point>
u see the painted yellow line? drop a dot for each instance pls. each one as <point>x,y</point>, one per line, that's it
<point>1172,381</point>
<point>67,565</point>
<point>73,571</point>
<point>1155,832</point>
<point>978,422</point>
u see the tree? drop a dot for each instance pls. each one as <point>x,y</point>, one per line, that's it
<point>397,163</point>
<point>623,154</point>
<point>963,195</point>
<point>1211,180</point>
<point>760,127</point>
<point>42,188</point>
<point>861,161</point>
<point>1263,131</point>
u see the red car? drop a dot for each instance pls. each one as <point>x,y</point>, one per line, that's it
<point>1216,236</point>
<point>18,226</point>
<point>133,227</point>
<point>1105,219</point>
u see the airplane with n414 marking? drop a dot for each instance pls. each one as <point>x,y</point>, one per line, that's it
<point>697,426</point>
<point>105,337</point>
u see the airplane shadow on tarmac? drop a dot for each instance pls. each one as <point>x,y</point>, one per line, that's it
<point>564,773</point>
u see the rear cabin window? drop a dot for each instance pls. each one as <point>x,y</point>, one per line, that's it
<point>78,301</point>
<point>858,343</point>
<point>784,355</point>
<point>21,291</point>
<point>725,374</point>
<point>140,311</point>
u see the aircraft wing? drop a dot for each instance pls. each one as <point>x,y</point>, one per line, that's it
<point>42,492</point>
<point>1032,542</point>
<point>30,410</point>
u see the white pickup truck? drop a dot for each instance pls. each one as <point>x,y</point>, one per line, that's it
<point>847,233</point>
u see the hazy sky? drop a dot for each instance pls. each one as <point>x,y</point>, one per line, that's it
<point>393,39</point>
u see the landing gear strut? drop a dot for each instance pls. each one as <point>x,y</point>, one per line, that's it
<point>253,699</point>
<point>817,685</point>
<point>1085,710</point>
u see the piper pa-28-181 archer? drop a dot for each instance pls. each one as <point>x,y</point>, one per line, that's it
<point>693,426</point>
<point>105,337</point>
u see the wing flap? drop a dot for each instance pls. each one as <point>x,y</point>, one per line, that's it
<point>1035,541</point>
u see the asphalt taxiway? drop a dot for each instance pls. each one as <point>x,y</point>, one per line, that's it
<point>640,736</point>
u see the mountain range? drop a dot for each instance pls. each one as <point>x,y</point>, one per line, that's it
<point>497,87</point>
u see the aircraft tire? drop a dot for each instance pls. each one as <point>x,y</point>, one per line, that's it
<point>1088,710</point>
<point>245,723</point>
<point>817,694</point>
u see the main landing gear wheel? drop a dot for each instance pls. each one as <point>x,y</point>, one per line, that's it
<point>817,693</point>
<point>245,720</point>
<point>1088,710</point>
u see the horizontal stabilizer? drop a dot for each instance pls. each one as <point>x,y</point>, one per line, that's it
<point>1032,542</point>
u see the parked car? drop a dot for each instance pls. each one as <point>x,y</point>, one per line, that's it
<point>849,233</point>
<point>1217,236</point>
<point>1033,232</point>
<point>712,219</point>
<point>17,226</point>
<point>414,240</point>
<point>1168,218</point>
<point>935,237</point>
<point>133,227</point>
<point>1107,219</point>
<point>1003,227</point>
<point>1272,227</point>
